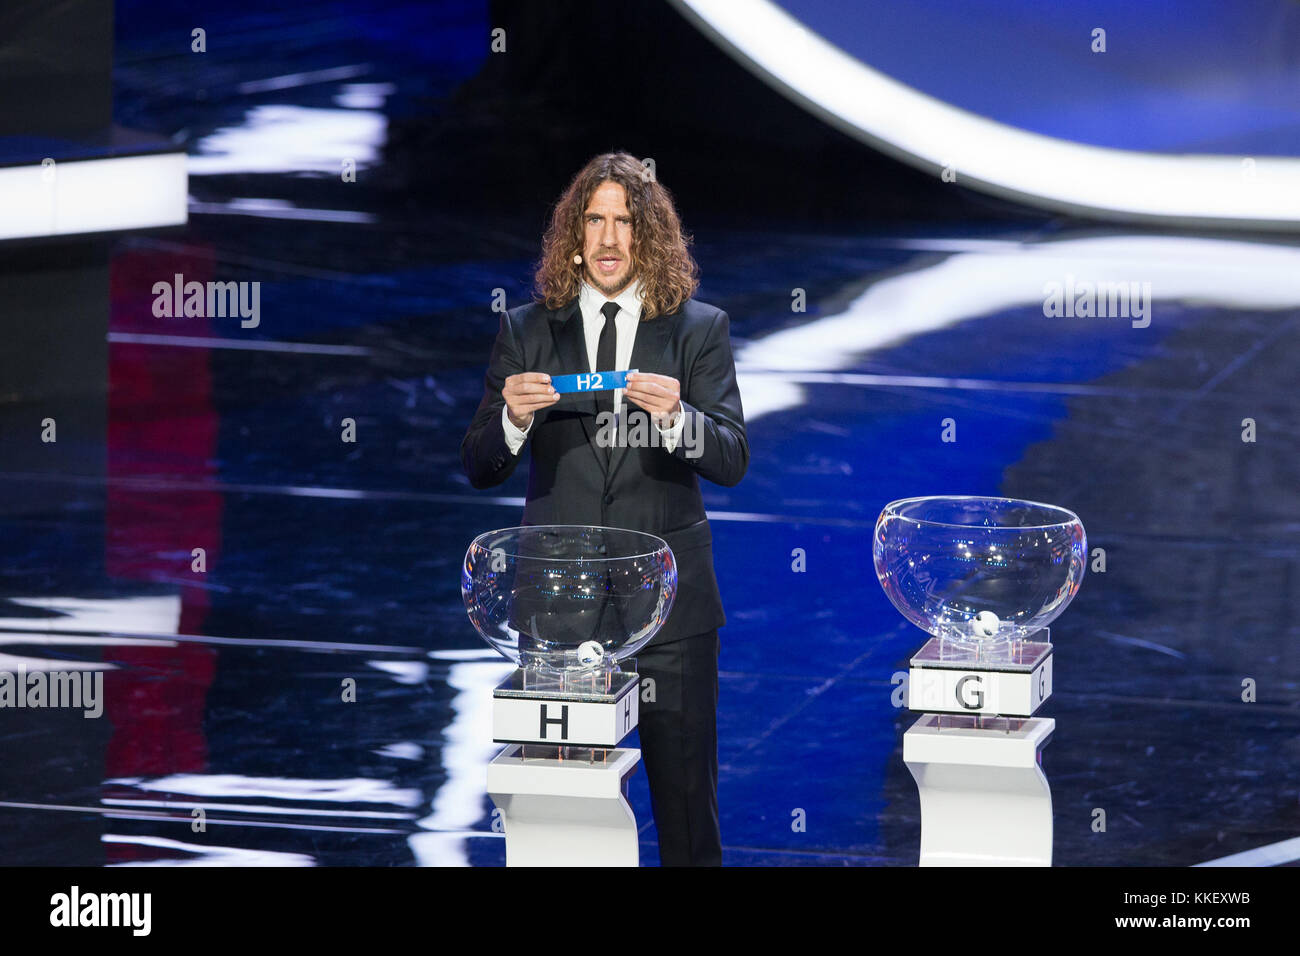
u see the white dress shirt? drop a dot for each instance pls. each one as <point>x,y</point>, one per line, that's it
<point>590,301</point>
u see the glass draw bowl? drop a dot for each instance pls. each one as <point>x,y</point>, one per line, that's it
<point>568,597</point>
<point>979,571</point>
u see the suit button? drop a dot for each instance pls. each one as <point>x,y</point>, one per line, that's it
<point>609,499</point>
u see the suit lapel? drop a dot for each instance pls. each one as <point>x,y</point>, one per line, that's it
<point>571,345</point>
<point>647,350</point>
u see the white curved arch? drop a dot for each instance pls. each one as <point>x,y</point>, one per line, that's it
<point>1219,191</point>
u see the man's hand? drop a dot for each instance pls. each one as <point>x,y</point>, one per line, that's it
<point>660,395</point>
<point>525,393</point>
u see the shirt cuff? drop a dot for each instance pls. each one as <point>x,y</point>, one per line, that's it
<point>670,435</point>
<point>514,436</point>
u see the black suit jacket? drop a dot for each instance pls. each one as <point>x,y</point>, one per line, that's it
<point>643,488</point>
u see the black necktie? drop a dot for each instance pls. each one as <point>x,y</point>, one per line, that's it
<point>606,350</point>
<point>606,354</point>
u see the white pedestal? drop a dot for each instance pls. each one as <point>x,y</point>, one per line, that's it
<point>565,812</point>
<point>984,798</point>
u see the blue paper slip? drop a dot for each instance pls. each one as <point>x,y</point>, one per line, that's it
<point>590,381</point>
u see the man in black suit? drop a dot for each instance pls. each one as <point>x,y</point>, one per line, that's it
<point>614,292</point>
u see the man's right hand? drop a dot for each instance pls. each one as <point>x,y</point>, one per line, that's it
<point>525,393</point>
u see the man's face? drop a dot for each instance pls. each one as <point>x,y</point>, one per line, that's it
<point>607,240</point>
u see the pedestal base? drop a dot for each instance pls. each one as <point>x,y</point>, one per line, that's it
<point>565,812</point>
<point>984,798</point>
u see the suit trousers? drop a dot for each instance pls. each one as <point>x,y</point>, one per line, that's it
<point>679,747</point>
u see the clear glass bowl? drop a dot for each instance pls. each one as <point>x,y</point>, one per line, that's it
<point>568,597</point>
<point>979,571</point>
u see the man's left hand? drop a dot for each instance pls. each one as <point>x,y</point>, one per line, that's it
<point>660,395</point>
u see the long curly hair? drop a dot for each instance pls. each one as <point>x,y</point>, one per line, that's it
<point>661,257</point>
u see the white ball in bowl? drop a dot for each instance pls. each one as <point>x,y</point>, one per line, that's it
<point>985,624</point>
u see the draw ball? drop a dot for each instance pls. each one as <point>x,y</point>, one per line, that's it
<point>985,624</point>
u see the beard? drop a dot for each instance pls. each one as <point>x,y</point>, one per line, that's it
<point>614,287</point>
